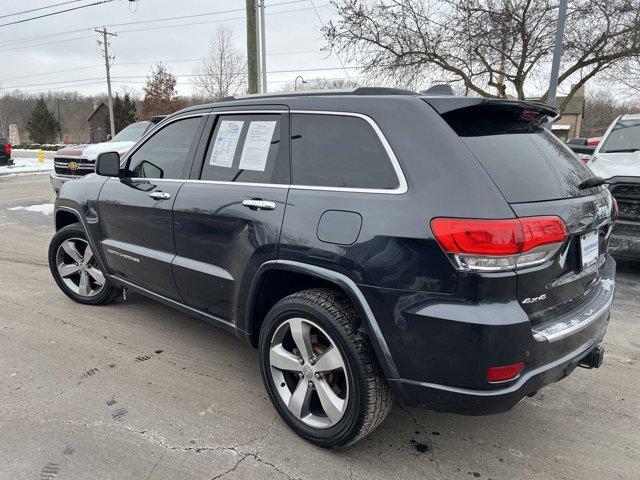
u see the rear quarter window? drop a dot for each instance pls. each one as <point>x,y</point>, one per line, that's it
<point>339,151</point>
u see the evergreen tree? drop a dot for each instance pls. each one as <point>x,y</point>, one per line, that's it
<point>42,125</point>
<point>124,112</point>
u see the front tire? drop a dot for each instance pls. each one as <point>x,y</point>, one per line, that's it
<point>319,369</point>
<point>74,268</point>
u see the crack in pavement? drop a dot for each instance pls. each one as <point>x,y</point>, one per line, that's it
<point>426,436</point>
<point>156,439</point>
<point>154,467</point>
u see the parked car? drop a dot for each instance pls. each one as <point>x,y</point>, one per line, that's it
<point>617,159</point>
<point>446,251</point>
<point>5,153</point>
<point>78,160</point>
<point>581,148</point>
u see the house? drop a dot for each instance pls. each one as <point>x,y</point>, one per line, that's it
<point>98,121</point>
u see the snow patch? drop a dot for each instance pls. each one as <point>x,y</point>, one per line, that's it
<point>44,208</point>
<point>27,165</point>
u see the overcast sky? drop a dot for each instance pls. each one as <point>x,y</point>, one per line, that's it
<point>68,42</point>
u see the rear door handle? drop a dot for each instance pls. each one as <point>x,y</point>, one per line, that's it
<point>160,195</point>
<point>256,204</point>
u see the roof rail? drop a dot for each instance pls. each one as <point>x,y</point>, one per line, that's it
<point>328,92</point>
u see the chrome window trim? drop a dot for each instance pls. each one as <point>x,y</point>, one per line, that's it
<point>402,181</point>
<point>399,190</point>
<point>158,127</point>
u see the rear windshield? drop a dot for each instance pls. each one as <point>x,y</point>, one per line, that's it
<point>526,162</point>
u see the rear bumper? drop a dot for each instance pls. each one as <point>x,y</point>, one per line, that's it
<point>485,402</point>
<point>442,347</point>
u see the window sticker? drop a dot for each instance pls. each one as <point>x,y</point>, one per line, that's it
<point>226,143</point>
<point>256,146</point>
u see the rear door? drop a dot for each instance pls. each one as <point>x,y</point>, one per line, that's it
<point>228,216</point>
<point>538,175</point>
<point>136,212</point>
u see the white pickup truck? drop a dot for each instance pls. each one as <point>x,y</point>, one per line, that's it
<point>617,160</point>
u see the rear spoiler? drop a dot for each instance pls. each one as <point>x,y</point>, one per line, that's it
<point>527,111</point>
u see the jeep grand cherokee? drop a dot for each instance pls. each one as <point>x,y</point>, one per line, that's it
<point>373,244</point>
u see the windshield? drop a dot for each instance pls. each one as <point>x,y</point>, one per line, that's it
<point>132,133</point>
<point>624,137</point>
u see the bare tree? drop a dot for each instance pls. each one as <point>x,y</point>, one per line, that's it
<point>493,48</point>
<point>601,108</point>
<point>322,84</point>
<point>4,116</point>
<point>627,76</point>
<point>222,71</point>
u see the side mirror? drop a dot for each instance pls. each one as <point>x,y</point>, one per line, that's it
<point>108,164</point>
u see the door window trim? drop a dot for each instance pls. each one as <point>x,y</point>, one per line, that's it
<point>399,190</point>
<point>124,162</point>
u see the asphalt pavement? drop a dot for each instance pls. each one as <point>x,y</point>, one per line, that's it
<point>137,390</point>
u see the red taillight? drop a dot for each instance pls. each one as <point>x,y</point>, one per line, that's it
<point>497,237</point>
<point>494,245</point>
<point>7,148</point>
<point>502,374</point>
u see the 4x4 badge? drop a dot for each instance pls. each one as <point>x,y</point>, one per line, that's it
<point>535,299</point>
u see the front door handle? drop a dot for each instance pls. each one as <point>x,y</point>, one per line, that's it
<point>160,195</point>
<point>256,204</point>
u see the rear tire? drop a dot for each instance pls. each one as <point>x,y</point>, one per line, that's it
<point>75,269</point>
<point>350,381</point>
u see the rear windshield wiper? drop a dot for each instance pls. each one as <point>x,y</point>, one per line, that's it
<point>592,182</point>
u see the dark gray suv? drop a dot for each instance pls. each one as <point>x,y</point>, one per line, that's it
<point>449,252</point>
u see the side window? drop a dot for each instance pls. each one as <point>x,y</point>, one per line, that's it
<point>338,151</point>
<point>246,148</point>
<point>165,153</point>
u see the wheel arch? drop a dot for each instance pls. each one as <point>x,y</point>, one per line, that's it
<point>310,276</point>
<point>64,218</point>
<point>66,215</point>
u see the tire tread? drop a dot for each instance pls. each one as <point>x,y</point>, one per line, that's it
<point>377,395</point>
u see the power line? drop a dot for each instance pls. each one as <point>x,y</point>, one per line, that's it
<point>57,34</point>
<point>40,8</point>
<point>322,23</point>
<point>56,13</point>
<point>40,74</point>
<point>46,43</point>
<point>217,12</point>
<point>13,87</point>
<point>50,73</point>
<point>133,77</point>
<point>38,37</point>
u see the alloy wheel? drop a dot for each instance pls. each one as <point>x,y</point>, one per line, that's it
<point>76,266</point>
<point>309,373</point>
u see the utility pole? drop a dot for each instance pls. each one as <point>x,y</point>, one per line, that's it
<point>263,49</point>
<point>252,47</point>
<point>557,54</point>
<point>107,61</point>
